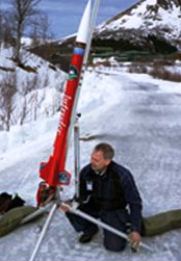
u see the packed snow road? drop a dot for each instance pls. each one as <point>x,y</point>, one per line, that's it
<point>140,117</point>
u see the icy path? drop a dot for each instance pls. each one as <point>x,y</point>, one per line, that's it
<point>141,118</point>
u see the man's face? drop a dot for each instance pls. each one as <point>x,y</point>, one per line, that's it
<point>98,163</point>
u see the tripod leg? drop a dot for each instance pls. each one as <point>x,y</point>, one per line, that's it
<point>77,153</point>
<point>36,214</point>
<point>44,230</point>
<point>106,226</point>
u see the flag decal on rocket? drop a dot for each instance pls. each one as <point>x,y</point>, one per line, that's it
<point>73,73</point>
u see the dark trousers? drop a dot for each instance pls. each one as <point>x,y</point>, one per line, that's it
<point>115,218</point>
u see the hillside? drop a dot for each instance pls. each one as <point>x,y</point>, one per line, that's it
<point>152,25</point>
<point>28,91</point>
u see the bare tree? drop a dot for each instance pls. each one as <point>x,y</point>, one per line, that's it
<point>28,87</point>
<point>40,30</point>
<point>7,91</point>
<point>36,100</point>
<point>6,34</point>
<point>1,26</point>
<point>22,11</point>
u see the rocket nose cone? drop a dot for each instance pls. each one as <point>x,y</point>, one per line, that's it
<point>84,27</point>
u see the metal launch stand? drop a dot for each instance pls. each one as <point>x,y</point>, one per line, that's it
<point>74,120</point>
<point>77,153</point>
<point>57,201</point>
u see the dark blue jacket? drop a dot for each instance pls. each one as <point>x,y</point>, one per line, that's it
<point>115,189</point>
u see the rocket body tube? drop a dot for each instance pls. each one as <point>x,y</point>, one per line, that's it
<point>53,171</point>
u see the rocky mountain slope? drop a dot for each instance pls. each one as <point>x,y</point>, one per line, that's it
<point>153,25</point>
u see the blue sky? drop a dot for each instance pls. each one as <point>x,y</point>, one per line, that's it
<point>65,15</point>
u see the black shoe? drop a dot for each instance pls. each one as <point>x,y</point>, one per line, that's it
<point>86,238</point>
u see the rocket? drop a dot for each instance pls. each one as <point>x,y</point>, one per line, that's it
<point>53,172</point>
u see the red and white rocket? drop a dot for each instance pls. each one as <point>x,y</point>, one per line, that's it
<point>53,171</point>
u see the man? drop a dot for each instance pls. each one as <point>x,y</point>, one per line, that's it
<point>108,192</point>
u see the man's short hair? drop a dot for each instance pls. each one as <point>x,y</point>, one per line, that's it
<point>107,150</point>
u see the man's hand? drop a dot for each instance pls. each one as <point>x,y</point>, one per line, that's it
<point>135,240</point>
<point>68,205</point>
<point>65,207</point>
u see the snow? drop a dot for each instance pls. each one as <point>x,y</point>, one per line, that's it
<point>136,15</point>
<point>140,117</point>
<point>170,18</point>
<point>175,68</point>
<point>26,41</point>
<point>38,87</point>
